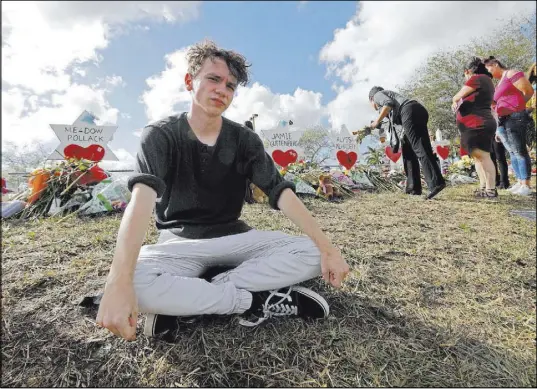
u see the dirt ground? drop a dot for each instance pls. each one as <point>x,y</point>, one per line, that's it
<point>442,293</point>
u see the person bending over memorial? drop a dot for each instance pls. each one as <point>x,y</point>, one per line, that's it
<point>416,145</point>
<point>194,167</point>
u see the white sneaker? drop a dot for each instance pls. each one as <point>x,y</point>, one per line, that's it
<point>514,188</point>
<point>524,190</point>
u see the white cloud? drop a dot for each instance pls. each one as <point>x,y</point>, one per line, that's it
<point>22,123</point>
<point>45,43</point>
<point>114,81</point>
<point>167,95</point>
<point>304,107</point>
<point>42,39</point>
<point>80,72</point>
<point>12,103</point>
<point>385,42</point>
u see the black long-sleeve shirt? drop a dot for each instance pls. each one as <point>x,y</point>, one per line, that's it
<point>201,188</point>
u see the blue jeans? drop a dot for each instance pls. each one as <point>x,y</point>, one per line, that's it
<point>512,132</point>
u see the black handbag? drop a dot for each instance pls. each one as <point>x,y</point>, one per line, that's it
<point>395,142</point>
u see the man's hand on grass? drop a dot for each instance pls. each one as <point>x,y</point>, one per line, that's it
<point>333,267</point>
<point>118,310</point>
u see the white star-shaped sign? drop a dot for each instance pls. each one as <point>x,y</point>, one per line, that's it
<point>344,141</point>
<point>283,139</point>
<point>84,139</point>
<point>345,148</point>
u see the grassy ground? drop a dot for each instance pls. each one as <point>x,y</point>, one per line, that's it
<point>442,293</point>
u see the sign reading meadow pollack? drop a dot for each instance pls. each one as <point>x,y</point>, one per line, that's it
<point>84,139</point>
<point>283,145</point>
<point>345,148</point>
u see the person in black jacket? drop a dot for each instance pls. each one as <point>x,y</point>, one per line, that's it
<point>415,142</point>
<point>196,164</point>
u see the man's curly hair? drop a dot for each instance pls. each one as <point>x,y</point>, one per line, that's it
<point>236,63</point>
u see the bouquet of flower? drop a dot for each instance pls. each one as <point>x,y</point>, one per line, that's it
<point>362,133</point>
<point>298,167</point>
<point>59,183</point>
<point>464,166</point>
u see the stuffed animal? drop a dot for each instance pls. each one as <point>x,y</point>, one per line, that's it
<point>327,188</point>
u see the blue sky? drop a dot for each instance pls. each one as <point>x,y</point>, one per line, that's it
<point>313,62</point>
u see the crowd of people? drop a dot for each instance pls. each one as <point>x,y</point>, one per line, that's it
<point>491,120</point>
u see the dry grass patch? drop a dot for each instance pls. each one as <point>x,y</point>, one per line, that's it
<point>442,293</point>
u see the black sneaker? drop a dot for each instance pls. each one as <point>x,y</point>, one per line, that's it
<point>160,325</point>
<point>292,301</point>
<point>164,326</point>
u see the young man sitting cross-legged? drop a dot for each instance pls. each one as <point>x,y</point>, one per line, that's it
<point>194,167</point>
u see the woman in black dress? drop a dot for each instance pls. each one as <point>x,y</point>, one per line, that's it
<point>476,123</point>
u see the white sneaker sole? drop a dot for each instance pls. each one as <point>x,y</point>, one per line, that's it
<point>318,298</point>
<point>149,325</point>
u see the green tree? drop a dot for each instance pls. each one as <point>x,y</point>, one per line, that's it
<point>441,76</point>
<point>317,144</point>
<point>21,158</point>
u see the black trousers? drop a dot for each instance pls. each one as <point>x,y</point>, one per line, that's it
<point>497,154</point>
<point>417,149</point>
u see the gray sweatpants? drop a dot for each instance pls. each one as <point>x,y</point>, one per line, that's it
<point>166,277</point>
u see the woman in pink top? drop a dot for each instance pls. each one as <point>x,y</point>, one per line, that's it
<point>510,97</point>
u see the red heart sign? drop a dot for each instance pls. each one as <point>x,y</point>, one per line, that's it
<point>347,160</point>
<point>394,157</point>
<point>442,151</point>
<point>91,153</point>
<point>284,158</point>
<point>92,176</point>
<point>463,151</point>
